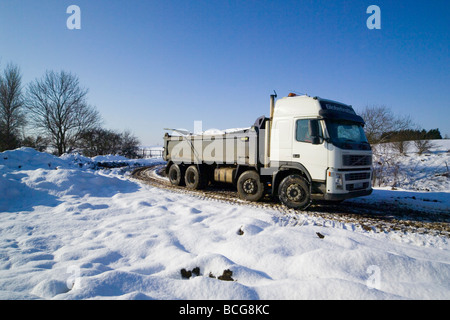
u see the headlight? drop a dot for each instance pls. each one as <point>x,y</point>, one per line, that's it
<point>338,180</point>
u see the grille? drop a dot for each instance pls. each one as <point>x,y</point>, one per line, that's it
<point>357,176</point>
<point>357,160</point>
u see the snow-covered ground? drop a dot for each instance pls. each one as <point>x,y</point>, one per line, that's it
<point>429,171</point>
<point>71,231</point>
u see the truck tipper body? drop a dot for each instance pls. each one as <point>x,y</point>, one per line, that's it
<point>308,149</point>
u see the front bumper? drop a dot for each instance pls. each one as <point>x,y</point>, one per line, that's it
<point>349,195</point>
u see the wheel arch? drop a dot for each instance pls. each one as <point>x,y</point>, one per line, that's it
<point>168,165</point>
<point>240,169</point>
<point>287,169</point>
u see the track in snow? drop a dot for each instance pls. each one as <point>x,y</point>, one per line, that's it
<point>383,217</point>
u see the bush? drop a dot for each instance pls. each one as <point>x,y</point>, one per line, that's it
<point>423,146</point>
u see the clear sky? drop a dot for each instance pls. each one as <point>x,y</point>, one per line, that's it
<point>155,64</point>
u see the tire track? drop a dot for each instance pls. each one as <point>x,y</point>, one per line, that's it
<point>383,217</point>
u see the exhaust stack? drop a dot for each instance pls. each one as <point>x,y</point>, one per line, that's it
<point>269,129</point>
<point>272,104</point>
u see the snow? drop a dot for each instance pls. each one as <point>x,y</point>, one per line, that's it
<point>214,131</point>
<point>426,172</point>
<point>71,231</point>
<point>211,131</point>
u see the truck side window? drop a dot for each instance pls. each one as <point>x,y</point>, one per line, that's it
<point>302,131</point>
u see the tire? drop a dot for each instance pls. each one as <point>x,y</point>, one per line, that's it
<point>250,187</point>
<point>193,178</point>
<point>294,192</point>
<point>176,176</point>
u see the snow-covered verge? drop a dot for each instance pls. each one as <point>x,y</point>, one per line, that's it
<point>68,231</point>
<point>429,171</point>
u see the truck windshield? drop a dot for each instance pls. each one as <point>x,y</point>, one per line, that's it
<point>347,134</point>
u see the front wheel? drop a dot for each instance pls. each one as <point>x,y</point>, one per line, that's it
<point>294,192</point>
<point>250,187</point>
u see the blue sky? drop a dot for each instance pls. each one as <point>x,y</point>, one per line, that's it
<point>155,64</point>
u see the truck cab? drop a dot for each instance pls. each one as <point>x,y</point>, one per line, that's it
<point>324,142</point>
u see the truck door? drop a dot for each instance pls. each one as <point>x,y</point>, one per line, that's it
<point>314,157</point>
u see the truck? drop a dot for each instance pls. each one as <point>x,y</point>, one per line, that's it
<point>309,149</point>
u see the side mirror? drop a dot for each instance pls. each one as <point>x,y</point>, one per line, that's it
<point>314,132</point>
<point>316,140</point>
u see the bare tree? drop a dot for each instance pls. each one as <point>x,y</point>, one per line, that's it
<point>11,107</point>
<point>380,121</point>
<point>375,119</point>
<point>401,146</point>
<point>423,146</point>
<point>57,106</point>
<point>422,140</point>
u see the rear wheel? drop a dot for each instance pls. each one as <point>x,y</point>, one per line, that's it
<point>176,176</point>
<point>193,178</point>
<point>250,187</point>
<point>294,192</point>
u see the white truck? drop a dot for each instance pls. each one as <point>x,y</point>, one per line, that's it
<point>309,149</point>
